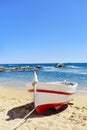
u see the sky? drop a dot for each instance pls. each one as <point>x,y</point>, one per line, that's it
<point>43,31</point>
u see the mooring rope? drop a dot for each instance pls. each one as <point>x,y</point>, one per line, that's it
<point>24,119</point>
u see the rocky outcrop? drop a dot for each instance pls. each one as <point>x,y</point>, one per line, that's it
<point>24,68</point>
<point>2,69</point>
<point>39,67</point>
<point>61,65</point>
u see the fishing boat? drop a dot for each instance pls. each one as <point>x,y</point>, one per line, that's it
<point>51,95</point>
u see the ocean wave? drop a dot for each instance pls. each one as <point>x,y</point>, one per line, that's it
<point>83,73</point>
<point>64,70</point>
<point>72,66</point>
<point>75,72</point>
<point>49,69</point>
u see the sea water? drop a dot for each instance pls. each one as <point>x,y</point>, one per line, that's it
<point>75,72</point>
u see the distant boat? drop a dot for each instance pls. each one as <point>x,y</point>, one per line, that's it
<point>52,95</point>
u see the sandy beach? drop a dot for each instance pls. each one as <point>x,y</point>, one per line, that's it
<point>15,104</point>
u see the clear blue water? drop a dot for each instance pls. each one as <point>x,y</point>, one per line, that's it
<point>77,73</point>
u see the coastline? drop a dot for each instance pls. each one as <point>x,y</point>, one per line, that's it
<point>15,104</point>
<point>81,90</point>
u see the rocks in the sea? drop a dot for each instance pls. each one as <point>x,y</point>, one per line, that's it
<point>24,68</point>
<point>2,69</point>
<point>29,68</point>
<point>61,65</point>
<point>39,67</point>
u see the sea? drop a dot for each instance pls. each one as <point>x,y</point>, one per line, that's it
<point>75,72</point>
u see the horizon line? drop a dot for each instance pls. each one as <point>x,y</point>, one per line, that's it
<point>41,62</point>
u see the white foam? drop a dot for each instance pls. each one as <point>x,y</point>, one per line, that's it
<point>72,66</point>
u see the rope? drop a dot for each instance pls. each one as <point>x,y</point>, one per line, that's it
<point>24,119</point>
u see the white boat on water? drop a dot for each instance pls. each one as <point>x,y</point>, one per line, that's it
<point>51,95</point>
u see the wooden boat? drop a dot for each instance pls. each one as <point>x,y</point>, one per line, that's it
<point>52,95</point>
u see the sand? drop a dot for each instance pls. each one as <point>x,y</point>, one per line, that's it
<point>15,104</point>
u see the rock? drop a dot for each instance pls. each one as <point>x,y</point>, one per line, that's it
<point>24,68</point>
<point>59,65</point>
<point>2,69</point>
<point>39,67</point>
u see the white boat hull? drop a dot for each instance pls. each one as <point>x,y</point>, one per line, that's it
<point>52,95</point>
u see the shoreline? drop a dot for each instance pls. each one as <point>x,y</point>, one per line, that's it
<point>25,87</point>
<point>15,104</point>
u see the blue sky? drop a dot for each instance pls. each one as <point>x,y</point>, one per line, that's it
<point>38,31</point>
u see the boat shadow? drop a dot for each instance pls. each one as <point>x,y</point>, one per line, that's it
<point>22,111</point>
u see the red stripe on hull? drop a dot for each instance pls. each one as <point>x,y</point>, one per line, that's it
<point>51,91</point>
<point>41,109</point>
